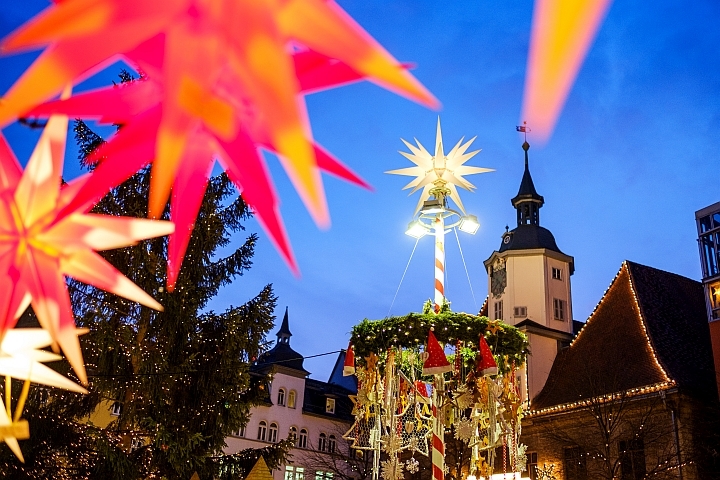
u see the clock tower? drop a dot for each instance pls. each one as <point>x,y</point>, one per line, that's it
<point>529,285</point>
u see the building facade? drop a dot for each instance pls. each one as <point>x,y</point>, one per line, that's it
<point>529,286</point>
<point>708,227</point>
<point>633,396</point>
<point>313,413</point>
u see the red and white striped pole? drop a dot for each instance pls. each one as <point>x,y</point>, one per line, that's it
<point>438,434</point>
<point>439,227</point>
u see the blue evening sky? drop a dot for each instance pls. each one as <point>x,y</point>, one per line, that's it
<point>633,156</point>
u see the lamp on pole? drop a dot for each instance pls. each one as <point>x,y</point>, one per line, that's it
<point>438,176</point>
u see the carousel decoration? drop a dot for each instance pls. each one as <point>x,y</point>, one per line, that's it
<point>411,396</point>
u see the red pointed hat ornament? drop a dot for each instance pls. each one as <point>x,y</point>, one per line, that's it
<point>423,390</point>
<point>436,363</point>
<point>349,365</point>
<point>486,362</point>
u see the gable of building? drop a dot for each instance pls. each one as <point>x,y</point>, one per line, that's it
<point>648,331</point>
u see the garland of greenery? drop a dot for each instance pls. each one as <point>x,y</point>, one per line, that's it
<point>411,331</point>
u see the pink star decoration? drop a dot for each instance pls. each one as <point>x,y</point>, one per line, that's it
<point>41,243</point>
<point>228,74</point>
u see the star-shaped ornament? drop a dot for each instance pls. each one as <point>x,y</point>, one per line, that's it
<point>39,246</point>
<point>215,60</point>
<point>439,169</point>
<point>137,106</point>
<point>494,326</point>
<point>21,357</point>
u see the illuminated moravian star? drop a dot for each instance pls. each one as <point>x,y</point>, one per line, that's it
<point>442,170</point>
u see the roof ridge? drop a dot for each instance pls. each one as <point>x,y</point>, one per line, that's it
<point>643,323</point>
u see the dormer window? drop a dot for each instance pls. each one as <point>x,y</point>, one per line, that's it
<point>330,405</point>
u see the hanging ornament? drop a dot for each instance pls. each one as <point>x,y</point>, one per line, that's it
<point>39,246</point>
<point>137,106</point>
<point>349,365</point>
<point>412,465</point>
<point>436,362</point>
<point>210,71</point>
<point>486,362</point>
<point>392,469</point>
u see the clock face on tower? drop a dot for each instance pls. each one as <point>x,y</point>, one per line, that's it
<point>498,278</point>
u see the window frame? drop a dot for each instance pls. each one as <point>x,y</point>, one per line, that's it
<point>498,310</point>
<point>557,273</point>
<point>281,397</point>
<point>331,443</point>
<point>559,309</point>
<point>322,442</point>
<point>330,405</point>
<point>576,470</point>
<point>273,432</point>
<point>116,409</point>
<point>292,399</point>
<point>302,438</point>
<point>262,431</point>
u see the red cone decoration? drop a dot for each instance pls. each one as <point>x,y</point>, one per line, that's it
<point>349,365</point>
<point>486,365</point>
<point>423,391</point>
<point>436,362</point>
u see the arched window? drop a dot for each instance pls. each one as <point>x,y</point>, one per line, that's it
<point>262,430</point>
<point>322,442</point>
<point>281,397</point>
<point>292,435</point>
<point>291,399</point>
<point>331,444</point>
<point>272,433</point>
<point>302,439</point>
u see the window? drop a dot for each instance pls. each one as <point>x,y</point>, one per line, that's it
<point>281,397</point>
<point>294,473</point>
<point>272,433</point>
<point>574,463</point>
<point>240,432</point>
<point>559,309</point>
<point>320,475</point>
<point>531,466</point>
<point>329,405</point>
<point>520,311</point>
<point>302,439</point>
<point>292,435</point>
<point>331,443</point>
<point>322,442</point>
<point>556,273</point>
<point>632,459</point>
<point>136,443</point>
<point>498,310</point>
<point>262,430</point>
<point>291,399</point>
<point>115,409</point>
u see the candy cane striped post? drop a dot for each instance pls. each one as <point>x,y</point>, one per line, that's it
<point>438,435</point>
<point>439,227</point>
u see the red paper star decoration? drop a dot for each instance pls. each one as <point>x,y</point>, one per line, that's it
<point>39,246</point>
<point>137,106</point>
<point>192,46</point>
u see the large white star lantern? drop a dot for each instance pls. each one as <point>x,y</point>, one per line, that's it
<point>439,171</point>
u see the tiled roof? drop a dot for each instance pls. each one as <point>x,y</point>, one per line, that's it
<point>316,395</point>
<point>628,344</point>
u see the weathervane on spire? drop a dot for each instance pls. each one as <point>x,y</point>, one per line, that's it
<point>438,176</point>
<point>524,129</point>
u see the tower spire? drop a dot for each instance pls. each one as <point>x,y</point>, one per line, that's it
<point>283,335</point>
<point>527,202</point>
